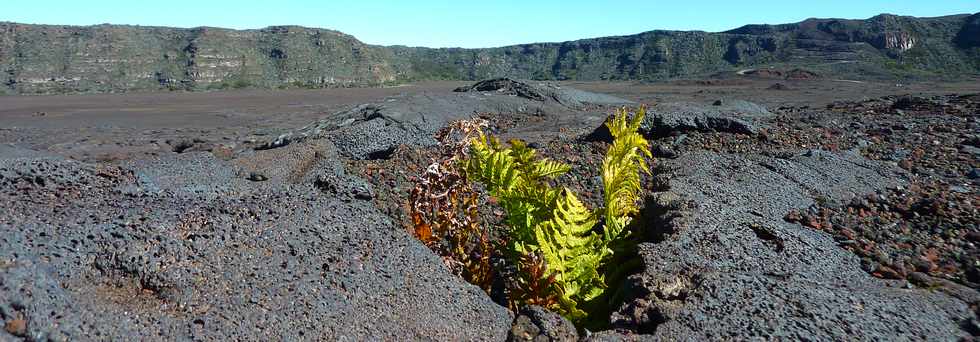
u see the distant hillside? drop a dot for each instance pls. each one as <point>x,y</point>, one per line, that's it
<point>106,58</point>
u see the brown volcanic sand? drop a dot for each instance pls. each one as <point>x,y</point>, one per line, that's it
<point>118,126</point>
<point>800,92</point>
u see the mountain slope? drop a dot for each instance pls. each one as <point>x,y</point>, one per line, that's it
<point>105,58</point>
<point>42,58</point>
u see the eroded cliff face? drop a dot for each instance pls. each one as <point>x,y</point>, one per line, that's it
<point>107,58</point>
<point>650,55</point>
<point>902,41</point>
<point>882,46</point>
<point>44,59</point>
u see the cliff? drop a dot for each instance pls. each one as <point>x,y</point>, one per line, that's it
<point>111,58</point>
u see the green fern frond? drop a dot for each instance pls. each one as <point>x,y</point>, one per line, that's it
<point>535,169</point>
<point>552,222</point>
<point>521,152</point>
<point>621,171</point>
<point>549,169</point>
<point>511,175</point>
<point>569,247</point>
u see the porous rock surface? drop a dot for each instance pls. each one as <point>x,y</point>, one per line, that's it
<point>275,243</point>
<point>732,116</point>
<point>728,266</point>
<point>186,247</point>
<point>534,323</point>
<point>370,130</point>
<point>541,91</point>
<point>282,243</point>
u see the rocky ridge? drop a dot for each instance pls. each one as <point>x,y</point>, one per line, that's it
<point>44,59</point>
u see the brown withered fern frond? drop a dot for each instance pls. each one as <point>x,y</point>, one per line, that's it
<point>444,210</point>
<point>536,285</point>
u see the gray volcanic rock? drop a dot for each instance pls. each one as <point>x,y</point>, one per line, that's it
<point>370,131</point>
<point>180,249</point>
<point>733,116</point>
<point>535,323</point>
<point>505,86</point>
<point>541,91</point>
<point>10,151</point>
<point>728,266</point>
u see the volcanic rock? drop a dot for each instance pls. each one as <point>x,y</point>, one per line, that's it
<point>181,248</point>
<point>733,267</point>
<point>371,131</point>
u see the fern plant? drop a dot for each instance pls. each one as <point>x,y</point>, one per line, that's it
<point>551,221</point>
<point>621,171</point>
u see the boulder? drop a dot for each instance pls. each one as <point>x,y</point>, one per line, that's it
<point>732,116</point>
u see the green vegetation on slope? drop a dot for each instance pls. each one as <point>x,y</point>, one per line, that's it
<point>103,58</point>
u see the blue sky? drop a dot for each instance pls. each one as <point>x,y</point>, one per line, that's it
<point>466,23</point>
